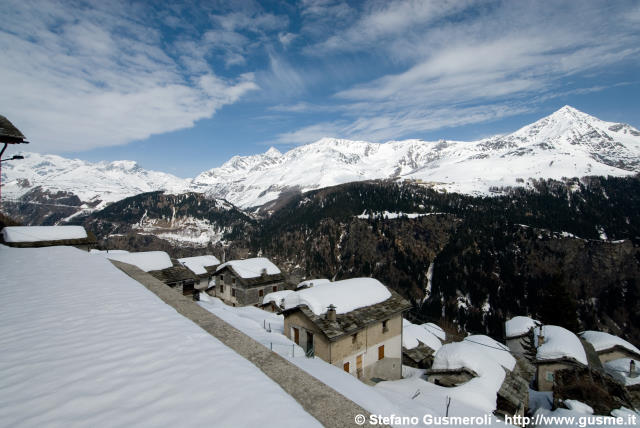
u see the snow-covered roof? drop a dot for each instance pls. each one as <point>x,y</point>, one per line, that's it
<point>84,344</point>
<point>251,268</point>
<point>619,369</point>
<point>277,297</point>
<point>145,260</point>
<point>435,330</point>
<point>42,233</point>
<point>412,333</point>
<point>559,343</point>
<point>601,341</point>
<point>313,282</point>
<point>346,295</point>
<point>498,352</point>
<point>197,264</point>
<point>517,326</point>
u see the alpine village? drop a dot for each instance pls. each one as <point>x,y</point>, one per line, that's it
<point>489,279</point>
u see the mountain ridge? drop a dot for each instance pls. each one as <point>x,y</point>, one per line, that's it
<point>567,143</point>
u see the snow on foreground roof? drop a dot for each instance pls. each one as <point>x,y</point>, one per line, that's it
<point>559,343</point>
<point>601,341</point>
<point>412,333</point>
<point>313,282</point>
<point>197,264</point>
<point>517,326</point>
<point>83,344</point>
<point>277,297</point>
<point>346,295</point>
<point>145,260</point>
<point>42,233</point>
<point>251,268</point>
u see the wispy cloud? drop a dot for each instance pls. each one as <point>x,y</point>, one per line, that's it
<point>82,76</point>
<point>388,126</point>
<point>461,62</point>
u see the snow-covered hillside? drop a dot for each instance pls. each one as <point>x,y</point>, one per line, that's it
<point>568,143</point>
<point>91,182</point>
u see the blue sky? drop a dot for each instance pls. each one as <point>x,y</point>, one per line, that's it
<point>184,86</point>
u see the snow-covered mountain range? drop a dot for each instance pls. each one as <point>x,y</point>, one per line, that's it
<point>568,143</point>
<point>96,184</point>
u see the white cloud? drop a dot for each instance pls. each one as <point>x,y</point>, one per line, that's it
<point>76,77</point>
<point>389,126</point>
<point>457,62</point>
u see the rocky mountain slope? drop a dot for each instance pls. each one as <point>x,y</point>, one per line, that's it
<point>566,252</point>
<point>568,143</point>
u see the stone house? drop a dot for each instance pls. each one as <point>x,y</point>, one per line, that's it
<point>419,343</point>
<point>354,324</point>
<point>204,267</point>
<point>47,236</point>
<point>610,347</point>
<point>245,282</point>
<point>177,277</point>
<point>557,349</point>
<point>476,356</point>
<point>519,330</point>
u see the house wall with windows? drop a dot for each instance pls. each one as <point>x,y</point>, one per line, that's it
<point>546,371</point>
<point>374,351</point>
<point>237,291</point>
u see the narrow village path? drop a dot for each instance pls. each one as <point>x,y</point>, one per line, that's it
<point>329,407</point>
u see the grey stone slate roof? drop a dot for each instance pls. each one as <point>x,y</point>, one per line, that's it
<point>173,274</point>
<point>419,353</point>
<point>356,320</point>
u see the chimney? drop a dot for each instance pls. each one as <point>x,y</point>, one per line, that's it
<point>331,313</point>
<point>632,369</point>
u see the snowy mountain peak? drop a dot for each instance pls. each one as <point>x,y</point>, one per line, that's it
<point>273,152</point>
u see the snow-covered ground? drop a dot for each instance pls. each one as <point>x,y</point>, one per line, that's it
<point>412,396</point>
<point>82,344</point>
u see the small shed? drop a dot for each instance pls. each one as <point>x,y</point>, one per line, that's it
<point>203,267</point>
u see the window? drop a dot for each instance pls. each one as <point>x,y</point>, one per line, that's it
<point>354,337</point>
<point>296,335</point>
<point>549,376</point>
<point>233,281</point>
<point>233,292</point>
<point>275,288</point>
<point>385,327</point>
<point>221,288</point>
<point>221,277</point>
<point>260,293</point>
<point>345,366</point>
<point>380,352</point>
